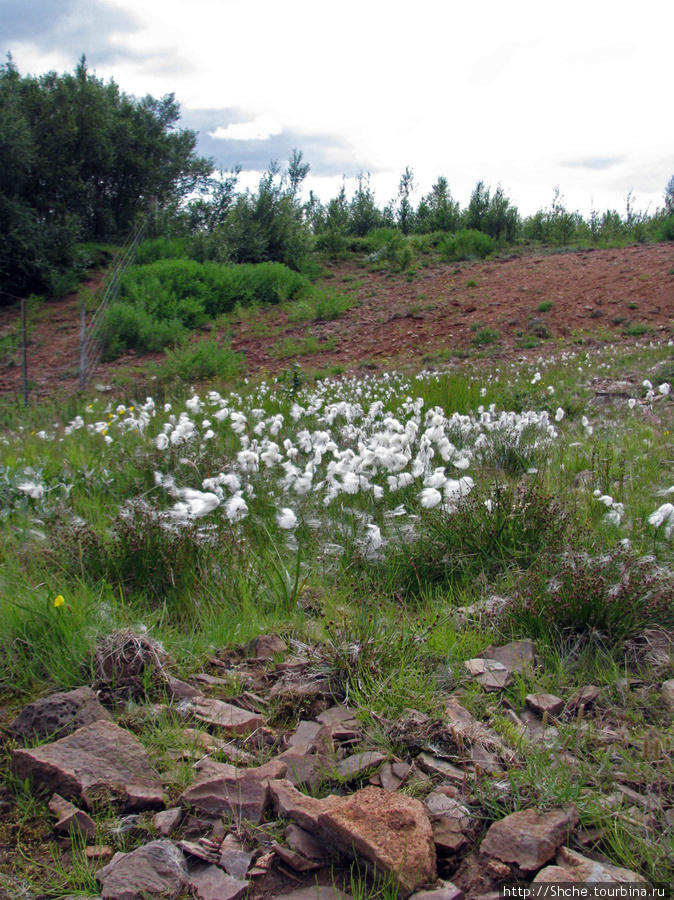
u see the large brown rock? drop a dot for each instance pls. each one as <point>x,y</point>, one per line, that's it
<point>59,715</point>
<point>528,839</point>
<point>239,794</point>
<point>101,764</point>
<point>156,870</point>
<point>230,719</point>
<point>390,833</point>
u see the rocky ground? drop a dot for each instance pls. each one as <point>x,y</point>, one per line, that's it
<point>238,803</point>
<point>503,307</point>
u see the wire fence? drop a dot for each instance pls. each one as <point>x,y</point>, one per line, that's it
<point>91,333</point>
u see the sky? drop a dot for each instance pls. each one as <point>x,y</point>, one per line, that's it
<point>525,94</point>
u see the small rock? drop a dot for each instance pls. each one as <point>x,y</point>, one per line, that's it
<point>305,843</point>
<point>545,703</point>
<point>589,870</point>
<point>298,807</point>
<point>166,821</point>
<point>315,892</point>
<point>211,883</point>
<point>310,737</point>
<point>489,673</point>
<point>267,646</point>
<point>234,859</point>
<point>223,790</point>
<point>446,891</point>
<point>303,693</point>
<point>295,860</point>
<point>337,715</point>
<point>157,869</point>
<point>392,775</point>
<point>99,853</point>
<point>528,839</point>
<point>179,690</point>
<point>586,697</point>
<point>465,728</point>
<point>434,765</point>
<point>515,656</point>
<point>58,715</point>
<point>71,821</point>
<point>667,694</point>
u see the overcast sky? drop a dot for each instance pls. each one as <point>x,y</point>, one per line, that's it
<point>528,94</point>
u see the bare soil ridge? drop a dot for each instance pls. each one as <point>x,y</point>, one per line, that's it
<point>527,302</point>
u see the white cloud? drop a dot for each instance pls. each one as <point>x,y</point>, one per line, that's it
<point>261,128</point>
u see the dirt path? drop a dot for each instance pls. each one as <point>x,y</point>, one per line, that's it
<point>522,303</point>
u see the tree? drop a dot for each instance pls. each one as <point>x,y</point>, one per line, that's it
<point>438,211</point>
<point>78,159</point>
<point>405,211</point>
<point>669,197</point>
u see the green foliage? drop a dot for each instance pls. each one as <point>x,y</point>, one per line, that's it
<point>78,159</point>
<point>485,336</point>
<point>438,211</point>
<point>396,252</point>
<point>545,306</point>
<point>161,302</point>
<point>614,594</point>
<point>488,533</point>
<point>206,359</point>
<point>466,244</point>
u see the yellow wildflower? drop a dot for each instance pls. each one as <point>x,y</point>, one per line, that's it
<point>59,601</point>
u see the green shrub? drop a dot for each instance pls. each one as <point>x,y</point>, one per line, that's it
<point>545,306</point>
<point>159,303</point>
<point>466,244</point>
<point>204,360</point>
<point>485,336</point>
<point>615,594</point>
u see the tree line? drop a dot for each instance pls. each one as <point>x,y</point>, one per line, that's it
<point>79,159</point>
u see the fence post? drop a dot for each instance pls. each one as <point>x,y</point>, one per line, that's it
<point>83,338</point>
<point>24,357</point>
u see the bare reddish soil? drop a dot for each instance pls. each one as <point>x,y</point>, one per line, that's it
<point>442,310</point>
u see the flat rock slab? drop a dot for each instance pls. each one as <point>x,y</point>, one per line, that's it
<point>101,764</point>
<point>211,883</point>
<point>357,765</point>
<point>529,840</point>
<point>59,715</point>
<point>225,716</point>
<point>489,673</point>
<point>156,870</point>
<point>586,870</point>
<point>446,891</point>
<point>545,703</point>
<point>515,656</point>
<point>71,821</point>
<point>240,794</point>
<point>235,861</point>
<point>390,833</point>
<point>465,727</point>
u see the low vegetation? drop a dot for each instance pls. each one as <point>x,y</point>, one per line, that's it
<point>360,513</point>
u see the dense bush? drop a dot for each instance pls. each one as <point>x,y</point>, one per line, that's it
<point>466,244</point>
<point>159,303</point>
